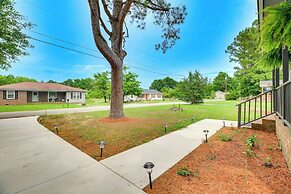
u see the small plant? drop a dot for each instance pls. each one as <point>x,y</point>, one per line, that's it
<point>251,141</point>
<point>225,137</point>
<point>250,153</point>
<point>211,156</point>
<point>196,173</point>
<point>268,162</point>
<point>184,172</point>
<point>270,147</point>
<point>237,131</point>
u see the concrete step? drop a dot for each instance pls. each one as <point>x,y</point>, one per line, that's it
<point>267,124</point>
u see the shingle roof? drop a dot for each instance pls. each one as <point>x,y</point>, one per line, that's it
<point>40,86</point>
<point>149,91</point>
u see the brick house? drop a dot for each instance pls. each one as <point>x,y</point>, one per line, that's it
<point>38,92</point>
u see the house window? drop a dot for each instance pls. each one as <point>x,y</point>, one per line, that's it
<point>10,95</point>
<point>159,96</point>
<point>76,95</point>
<point>153,95</point>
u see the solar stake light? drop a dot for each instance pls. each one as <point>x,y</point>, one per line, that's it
<point>223,122</point>
<point>193,118</point>
<point>166,127</point>
<point>56,129</point>
<point>149,169</point>
<point>101,145</point>
<point>206,133</point>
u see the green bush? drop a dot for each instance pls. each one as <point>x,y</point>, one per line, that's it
<point>184,172</point>
<point>232,95</point>
<point>251,141</point>
<point>225,137</point>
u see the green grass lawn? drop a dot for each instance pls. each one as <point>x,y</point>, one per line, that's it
<point>84,130</point>
<point>27,107</point>
<point>44,106</point>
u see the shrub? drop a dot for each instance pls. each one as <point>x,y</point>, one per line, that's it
<point>251,141</point>
<point>232,95</point>
<point>184,172</point>
<point>225,137</point>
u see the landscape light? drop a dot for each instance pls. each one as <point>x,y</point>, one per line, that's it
<point>101,145</point>
<point>166,127</point>
<point>193,118</point>
<point>149,169</point>
<point>223,122</point>
<point>56,129</point>
<point>206,133</point>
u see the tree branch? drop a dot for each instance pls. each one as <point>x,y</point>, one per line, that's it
<point>105,7</point>
<point>153,6</point>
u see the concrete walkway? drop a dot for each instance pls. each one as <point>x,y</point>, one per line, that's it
<point>34,160</point>
<point>164,152</point>
<point>6,115</point>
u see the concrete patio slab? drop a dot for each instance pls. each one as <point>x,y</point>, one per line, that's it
<point>164,152</point>
<point>34,160</point>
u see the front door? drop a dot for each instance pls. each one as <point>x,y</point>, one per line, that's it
<point>34,97</point>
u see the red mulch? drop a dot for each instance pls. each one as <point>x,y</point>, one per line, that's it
<point>231,171</point>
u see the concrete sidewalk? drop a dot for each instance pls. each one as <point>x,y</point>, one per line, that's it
<point>6,115</point>
<point>164,152</point>
<point>34,160</point>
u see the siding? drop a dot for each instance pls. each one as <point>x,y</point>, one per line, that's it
<point>22,99</point>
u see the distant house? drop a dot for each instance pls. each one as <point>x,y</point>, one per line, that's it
<point>220,95</point>
<point>149,94</point>
<point>35,92</point>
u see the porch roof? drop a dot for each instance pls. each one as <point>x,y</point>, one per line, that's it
<point>40,86</point>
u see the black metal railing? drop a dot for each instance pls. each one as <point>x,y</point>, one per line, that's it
<point>256,108</point>
<point>283,102</point>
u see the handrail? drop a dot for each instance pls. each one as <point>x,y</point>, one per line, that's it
<point>282,85</point>
<point>255,97</point>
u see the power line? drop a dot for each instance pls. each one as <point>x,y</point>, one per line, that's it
<point>66,48</point>
<point>61,40</point>
<point>87,54</point>
<point>92,50</point>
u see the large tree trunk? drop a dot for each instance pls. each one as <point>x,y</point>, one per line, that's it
<point>116,104</point>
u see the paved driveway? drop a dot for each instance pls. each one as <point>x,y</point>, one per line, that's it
<point>34,160</point>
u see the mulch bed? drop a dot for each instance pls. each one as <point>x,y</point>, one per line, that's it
<point>224,167</point>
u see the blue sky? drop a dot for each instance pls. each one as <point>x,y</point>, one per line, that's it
<point>209,28</point>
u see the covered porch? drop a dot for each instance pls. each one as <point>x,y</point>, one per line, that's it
<point>46,96</point>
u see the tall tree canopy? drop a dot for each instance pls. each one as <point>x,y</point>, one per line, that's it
<point>192,88</point>
<point>13,42</point>
<point>245,52</point>
<point>275,33</point>
<point>10,79</point>
<point>85,83</point>
<point>167,82</point>
<point>110,36</point>
<point>102,84</point>
<point>131,86</point>
<point>222,82</point>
